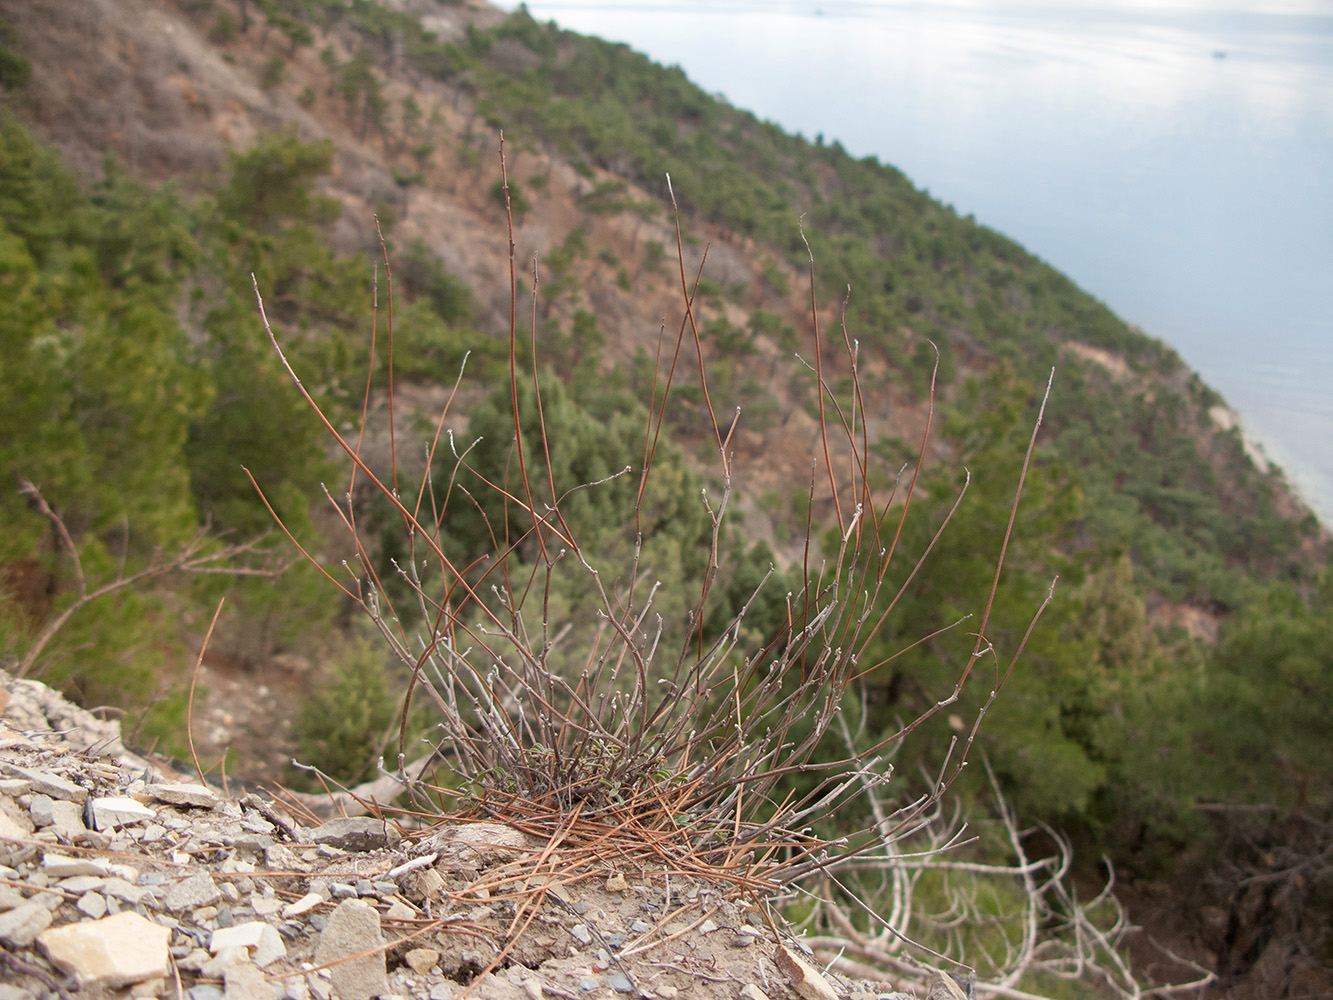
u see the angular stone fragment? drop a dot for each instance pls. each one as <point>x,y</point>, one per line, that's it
<point>217,966</point>
<point>280,858</point>
<point>354,927</point>
<point>20,926</point>
<point>60,866</point>
<point>199,796</point>
<point>357,833</point>
<point>803,977</point>
<point>494,842</point>
<point>67,820</point>
<point>421,886</point>
<point>420,960</point>
<point>261,937</point>
<point>116,811</point>
<point>943,987</point>
<point>50,784</point>
<point>118,888</point>
<point>188,894</point>
<point>40,811</point>
<point>244,982</point>
<point>115,951</point>
<point>303,905</point>
<point>92,904</point>
<point>12,853</point>
<point>82,883</point>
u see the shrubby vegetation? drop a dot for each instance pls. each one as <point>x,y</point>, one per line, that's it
<point>137,384</point>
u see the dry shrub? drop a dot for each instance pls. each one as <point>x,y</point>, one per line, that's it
<point>698,752</point>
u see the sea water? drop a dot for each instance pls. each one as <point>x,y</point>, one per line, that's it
<point>1176,160</point>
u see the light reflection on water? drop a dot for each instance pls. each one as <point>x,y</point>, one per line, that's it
<point>1188,190</point>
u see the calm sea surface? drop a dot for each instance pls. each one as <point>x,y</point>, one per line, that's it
<point>1174,160</point>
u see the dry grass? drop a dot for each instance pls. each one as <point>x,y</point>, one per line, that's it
<point>674,760</point>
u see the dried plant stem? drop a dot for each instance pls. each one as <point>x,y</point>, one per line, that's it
<point>613,736</point>
<point>194,679</point>
<point>197,556</point>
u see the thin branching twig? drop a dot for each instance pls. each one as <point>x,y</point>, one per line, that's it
<point>618,736</point>
<point>199,555</point>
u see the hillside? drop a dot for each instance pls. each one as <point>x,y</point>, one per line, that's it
<point>1177,668</point>
<point>587,148</point>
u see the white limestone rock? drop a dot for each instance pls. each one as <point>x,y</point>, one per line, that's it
<point>245,982</point>
<point>50,784</point>
<point>115,811</point>
<point>198,796</point>
<point>265,943</point>
<point>61,866</point>
<point>11,852</point>
<point>114,951</point>
<point>189,894</point>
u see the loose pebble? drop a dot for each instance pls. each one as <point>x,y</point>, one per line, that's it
<point>303,905</point>
<point>421,959</point>
<point>92,904</point>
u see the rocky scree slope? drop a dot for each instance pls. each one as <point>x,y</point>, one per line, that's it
<point>118,879</point>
